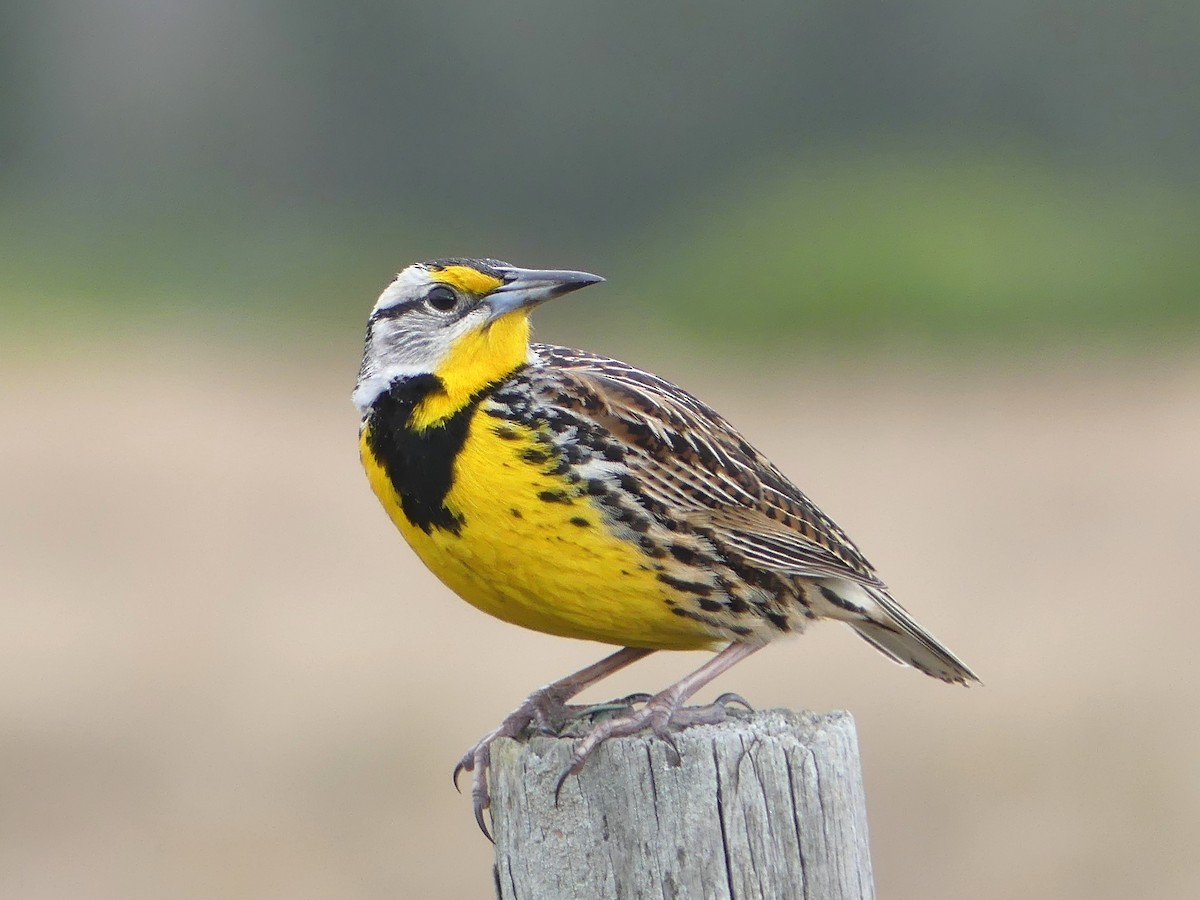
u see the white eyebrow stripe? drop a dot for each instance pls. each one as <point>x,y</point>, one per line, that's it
<point>404,286</point>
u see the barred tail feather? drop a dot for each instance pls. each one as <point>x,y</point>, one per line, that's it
<point>924,653</point>
<point>887,626</point>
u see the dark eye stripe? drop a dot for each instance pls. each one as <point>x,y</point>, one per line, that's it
<point>393,312</point>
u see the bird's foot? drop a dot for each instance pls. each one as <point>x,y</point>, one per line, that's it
<point>544,709</point>
<point>659,714</point>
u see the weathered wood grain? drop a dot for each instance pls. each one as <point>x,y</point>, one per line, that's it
<point>764,805</point>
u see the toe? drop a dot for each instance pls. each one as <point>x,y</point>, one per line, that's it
<point>730,697</point>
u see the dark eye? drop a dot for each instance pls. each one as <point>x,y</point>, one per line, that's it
<point>442,298</point>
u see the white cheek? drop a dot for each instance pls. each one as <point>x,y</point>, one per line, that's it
<point>391,355</point>
<point>406,348</point>
<point>414,344</point>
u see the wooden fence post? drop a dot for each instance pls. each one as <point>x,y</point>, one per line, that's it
<point>764,805</point>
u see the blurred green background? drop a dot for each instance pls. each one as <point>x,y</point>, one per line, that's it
<point>818,171</point>
<point>939,260</point>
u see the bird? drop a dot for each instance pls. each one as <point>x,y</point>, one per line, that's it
<point>580,496</point>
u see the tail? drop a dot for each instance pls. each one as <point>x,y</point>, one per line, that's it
<point>887,626</point>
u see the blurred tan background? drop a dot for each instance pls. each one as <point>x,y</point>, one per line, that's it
<point>940,264</point>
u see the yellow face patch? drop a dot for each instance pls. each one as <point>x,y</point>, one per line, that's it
<point>472,281</point>
<point>476,360</point>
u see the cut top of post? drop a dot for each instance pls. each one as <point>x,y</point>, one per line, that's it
<point>768,804</point>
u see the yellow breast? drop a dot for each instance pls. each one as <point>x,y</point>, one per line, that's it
<point>533,549</point>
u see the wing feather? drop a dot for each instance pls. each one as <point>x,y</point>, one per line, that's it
<point>693,464</point>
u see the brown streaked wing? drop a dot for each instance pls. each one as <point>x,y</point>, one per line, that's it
<point>696,466</point>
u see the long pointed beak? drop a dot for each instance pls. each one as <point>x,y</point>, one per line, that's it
<point>525,288</point>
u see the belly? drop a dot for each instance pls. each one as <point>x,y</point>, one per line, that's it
<point>533,549</point>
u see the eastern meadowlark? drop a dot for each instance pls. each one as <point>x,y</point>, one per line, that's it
<point>580,496</point>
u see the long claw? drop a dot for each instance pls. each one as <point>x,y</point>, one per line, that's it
<point>478,759</point>
<point>466,764</point>
<point>483,825</point>
<point>481,801</point>
<point>730,697</point>
<point>562,779</point>
<point>540,710</point>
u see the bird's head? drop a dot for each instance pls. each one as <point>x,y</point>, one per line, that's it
<point>465,321</point>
